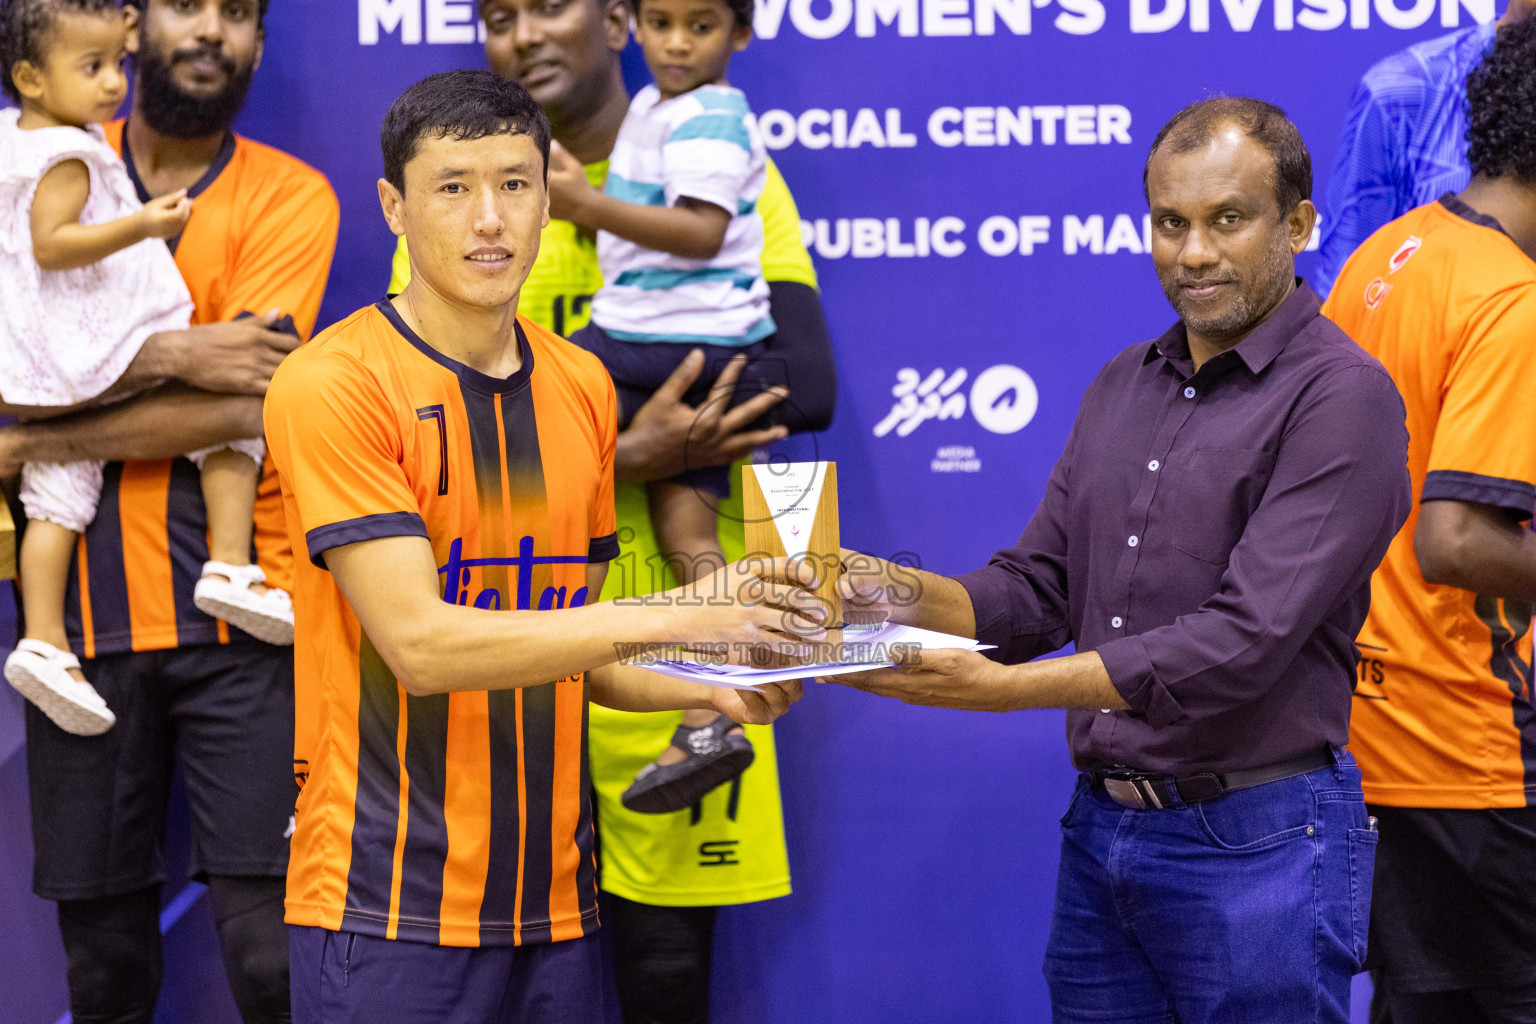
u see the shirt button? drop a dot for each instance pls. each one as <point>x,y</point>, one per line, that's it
<point>1103,711</point>
<point>1133,540</point>
<point>1154,465</point>
<point>1117,622</point>
<point>1189,392</point>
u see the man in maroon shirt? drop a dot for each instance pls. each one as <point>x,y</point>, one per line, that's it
<point>1206,541</point>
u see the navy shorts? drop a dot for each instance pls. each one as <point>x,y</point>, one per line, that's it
<point>346,978</point>
<point>639,368</point>
<point>1455,908</point>
<point>99,802</point>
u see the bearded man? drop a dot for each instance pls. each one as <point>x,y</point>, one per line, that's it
<point>183,686</point>
<point>1206,541</point>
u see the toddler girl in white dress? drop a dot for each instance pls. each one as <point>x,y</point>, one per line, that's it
<point>85,278</point>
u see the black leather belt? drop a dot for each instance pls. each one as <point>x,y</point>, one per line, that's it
<point>1147,791</point>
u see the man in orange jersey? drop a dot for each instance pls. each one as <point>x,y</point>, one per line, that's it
<point>1444,726</point>
<point>447,475</point>
<point>183,686</point>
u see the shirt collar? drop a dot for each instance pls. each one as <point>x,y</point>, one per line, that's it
<point>1261,347</point>
<point>1452,202</point>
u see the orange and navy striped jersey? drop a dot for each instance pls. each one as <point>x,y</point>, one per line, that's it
<point>1447,302</point>
<point>261,237</point>
<point>459,819</point>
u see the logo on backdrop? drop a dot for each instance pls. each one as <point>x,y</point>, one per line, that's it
<point>1047,124</point>
<point>1002,399</point>
<point>817,20</point>
<point>450,22</point>
<point>955,458</point>
<point>1000,235</point>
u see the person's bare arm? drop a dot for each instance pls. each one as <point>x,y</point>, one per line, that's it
<point>234,361</point>
<point>234,358</point>
<point>167,422</point>
<point>435,647</point>
<point>667,436</point>
<point>1481,548</point>
<point>630,688</point>
<point>61,242</point>
<point>693,229</point>
<point>969,681</point>
<point>875,590</point>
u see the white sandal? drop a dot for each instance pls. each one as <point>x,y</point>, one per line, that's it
<point>40,672</point>
<point>267,616</point>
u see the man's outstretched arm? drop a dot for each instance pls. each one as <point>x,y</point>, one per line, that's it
<point>971,681</point>
<point>435,647</point>
<point>630,688</point>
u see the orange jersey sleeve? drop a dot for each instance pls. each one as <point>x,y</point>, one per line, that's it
<point>337,447</point>
<point>1481,452</point>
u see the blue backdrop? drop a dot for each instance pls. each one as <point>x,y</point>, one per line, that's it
<point>969,174</point>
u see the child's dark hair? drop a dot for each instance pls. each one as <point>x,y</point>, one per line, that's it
<point>24,28</point>
<point>460,105</point>
<point>742,9</point>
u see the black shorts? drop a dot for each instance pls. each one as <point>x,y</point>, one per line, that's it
<point>99,802</point>
<point>639,368</point>
<point>1454,903</point>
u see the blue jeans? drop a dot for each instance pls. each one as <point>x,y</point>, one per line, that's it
<point>1250,908</point>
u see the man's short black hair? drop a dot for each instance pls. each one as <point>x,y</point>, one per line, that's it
<point>24,28</point>
<point>1501,106</point>
<point>1264,123</point>
<point>459,105</point>
<point>742,9</point>
<point>261,10</point>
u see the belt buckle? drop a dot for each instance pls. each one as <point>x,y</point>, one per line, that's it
<point>1130,789</point>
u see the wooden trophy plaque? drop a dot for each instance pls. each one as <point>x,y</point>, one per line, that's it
<point>790,509</point>
<point>7,541</point>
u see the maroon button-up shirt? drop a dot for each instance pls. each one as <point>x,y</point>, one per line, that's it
<point>1212,535</point>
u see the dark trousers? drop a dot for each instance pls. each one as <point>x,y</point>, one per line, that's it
<point>1463,1006</point>
<point>1453,923</point>
<point>99,806</point>
<point>661,960</point>
<point>112,948</point>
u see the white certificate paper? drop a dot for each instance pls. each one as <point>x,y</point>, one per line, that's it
<point>863,649</point>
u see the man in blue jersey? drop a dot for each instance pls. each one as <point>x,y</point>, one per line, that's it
<point>1405,141</point>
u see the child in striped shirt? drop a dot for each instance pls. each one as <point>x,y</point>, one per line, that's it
<point>680,240</point>
<point>680,243</point>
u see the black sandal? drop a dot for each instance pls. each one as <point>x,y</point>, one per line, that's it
<point>714,758</point>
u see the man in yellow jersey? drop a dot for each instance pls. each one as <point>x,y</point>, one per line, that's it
<point>665,875</point>
<point>447,481</point>
<point>1444,726</point>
